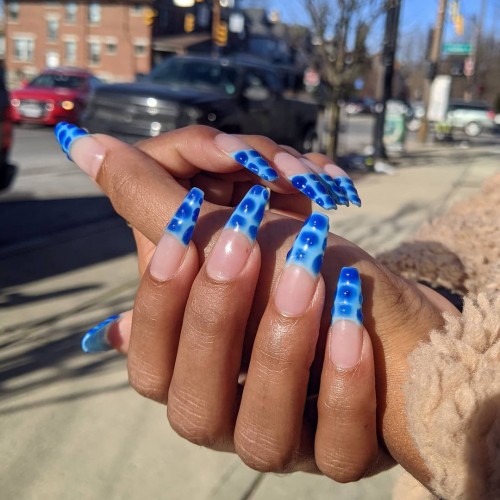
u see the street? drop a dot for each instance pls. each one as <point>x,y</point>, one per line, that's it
<point>71,426</point>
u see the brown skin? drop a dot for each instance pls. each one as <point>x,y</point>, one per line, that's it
<point>398,314</point>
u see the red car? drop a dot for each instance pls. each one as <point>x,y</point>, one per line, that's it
<point>55,95</point>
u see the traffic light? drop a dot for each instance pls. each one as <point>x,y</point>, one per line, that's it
<point>149,16</point>
<point>458,22</point>
<point>189,22</point>
<point>220,34</point>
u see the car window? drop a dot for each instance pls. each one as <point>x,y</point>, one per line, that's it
<point>468,107</point>
<point>51,80</point>
<point>198,74</point>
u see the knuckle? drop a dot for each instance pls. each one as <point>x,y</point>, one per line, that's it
<point>191,419</point>
<point>342,469</point>
<point>144,381</point>
<point>262,452</point>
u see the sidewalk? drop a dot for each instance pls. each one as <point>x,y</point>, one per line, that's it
<point>71,427</point>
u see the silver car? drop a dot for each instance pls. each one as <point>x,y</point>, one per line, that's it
<point>472,117</point>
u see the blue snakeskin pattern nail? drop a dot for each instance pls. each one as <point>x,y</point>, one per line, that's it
<point>96,339</point>
<point>336,191</point>
<point>312,186</point>
<point>309,246</point>
<point>182,223</point>
<point>346,184</point>
<point>348,299</point>
<point>254,161</point>
<point>66,134</point>
<point>249,213</point>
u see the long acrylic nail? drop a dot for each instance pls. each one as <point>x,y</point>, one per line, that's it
<point>333,189</point>
<point>299,278</point>
<point>344,182</point>
<point>346,332</point>
<point>303,179</point>
<point>235,243</point>
<point>96,339</point>
<point>246,156</point>
<point>80,147</point>
<point>173,244</point>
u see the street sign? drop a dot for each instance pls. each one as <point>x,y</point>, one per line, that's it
<point>457,48</point>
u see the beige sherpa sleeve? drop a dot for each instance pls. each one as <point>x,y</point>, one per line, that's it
<point>453,402</point>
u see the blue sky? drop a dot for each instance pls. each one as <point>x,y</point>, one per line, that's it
<point>415,14</point>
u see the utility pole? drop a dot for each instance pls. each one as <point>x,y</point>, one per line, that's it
<point>432,66</point>
<point>389,55</point>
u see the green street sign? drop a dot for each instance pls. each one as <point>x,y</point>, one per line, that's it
<point>457,48</point>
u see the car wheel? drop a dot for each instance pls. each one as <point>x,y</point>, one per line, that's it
<point>472,129</point>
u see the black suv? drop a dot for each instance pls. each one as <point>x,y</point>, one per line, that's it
<point>232,94</point>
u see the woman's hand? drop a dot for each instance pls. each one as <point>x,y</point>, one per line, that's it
<point>397,314</point>
<point>191,356</point>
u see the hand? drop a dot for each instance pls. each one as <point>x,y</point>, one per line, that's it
<point>397,314</point>
<point>192,356</point>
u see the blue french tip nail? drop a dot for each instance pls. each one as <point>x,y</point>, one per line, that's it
<point>96,339</point>
<point>346,184</point>
<point>66,134</point>
<point>309,246</point>
<point>349,298</point>
<point>181,226</point>
<point>310,184</point>
<point>336,192</point>
<point>255,162</point>
<point>249,213</point>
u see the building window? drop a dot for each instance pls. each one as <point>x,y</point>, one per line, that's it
<point>140,48</point>
<point>70,52</point>
<point>70,10</point>
<point>94,13</point>
<point>94,53</point>
<point>23,49</point>
<point>13,9</point>
<point>111,48</point>
<point>137,9</point>
<point>52,29</point>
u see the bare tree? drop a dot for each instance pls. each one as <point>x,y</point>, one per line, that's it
<point>340,31</point>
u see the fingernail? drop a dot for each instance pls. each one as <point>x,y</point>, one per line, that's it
<point>173,244</point>
<point>299,278</point>
<point>344,182</point>
<point>96,339</point>
<point>80,147</point>
<point>346,332</point>
<point>303,179</point>
<point>235,243</point>
<point>334,191</point>
<point>246,156</point>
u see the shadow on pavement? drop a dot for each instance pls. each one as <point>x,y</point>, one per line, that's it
<point>55,357</point>
<point>43,238</point>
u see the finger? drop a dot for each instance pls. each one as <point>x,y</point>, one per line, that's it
<point>346,438</point>
<point>160,301</point>
<point>112,333</point>
<point>145,250</point>
<point>269,425</point>
<point>203,393</point>
<point>332,172</point>
<point>201,147</point>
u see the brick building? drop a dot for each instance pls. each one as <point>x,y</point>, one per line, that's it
<point>110,38</point>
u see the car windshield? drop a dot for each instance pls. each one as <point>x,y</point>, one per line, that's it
<point>204,75</point>
<point>51,80</point>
